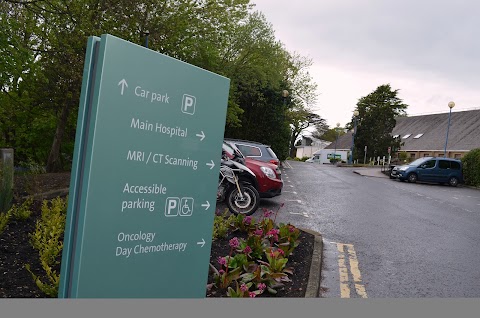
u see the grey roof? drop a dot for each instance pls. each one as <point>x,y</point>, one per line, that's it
<point>463,135</point>
<point>464,132</point>
<point>344,142</point>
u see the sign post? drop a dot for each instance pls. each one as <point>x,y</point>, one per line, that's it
<point>144,177</point>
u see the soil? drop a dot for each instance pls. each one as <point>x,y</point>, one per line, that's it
<point>16,250</point>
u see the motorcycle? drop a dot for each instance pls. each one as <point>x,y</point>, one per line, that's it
<point>235,187</point>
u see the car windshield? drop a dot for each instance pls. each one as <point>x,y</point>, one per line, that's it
<point>417,162</point>
<point>270,151</point>
<point>231,149</point>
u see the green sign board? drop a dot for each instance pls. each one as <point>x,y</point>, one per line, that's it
<point>144,177</point>
<point>334,156</point>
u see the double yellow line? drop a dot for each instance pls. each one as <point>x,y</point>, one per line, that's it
<point>346,251</point>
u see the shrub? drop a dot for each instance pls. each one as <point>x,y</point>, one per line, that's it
<point>471,167</point>
<point>23,211</point>
<point>221,225</point>
<point>4,218</point>
<point>47,239</point>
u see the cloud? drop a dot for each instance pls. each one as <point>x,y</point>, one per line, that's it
<point>428,49</point>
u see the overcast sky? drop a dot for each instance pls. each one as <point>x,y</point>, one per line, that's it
<point>427,49</point>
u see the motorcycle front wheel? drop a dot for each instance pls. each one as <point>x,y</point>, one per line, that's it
<point>246,205</point>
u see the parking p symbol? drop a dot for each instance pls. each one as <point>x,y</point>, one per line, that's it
<point>172,206</point>
<point>188,104</point>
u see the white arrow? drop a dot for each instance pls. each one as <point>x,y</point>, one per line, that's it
<point>124,84</point>
<point>206,205</point>
<point>212,164</point>
<point>202,135</point>
<point>201,243</point>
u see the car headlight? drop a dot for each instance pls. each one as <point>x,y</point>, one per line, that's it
<point>268,172</point>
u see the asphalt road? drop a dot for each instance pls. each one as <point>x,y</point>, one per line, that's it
<point>382,237</point>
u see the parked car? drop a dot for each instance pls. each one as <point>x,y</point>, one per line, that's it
<point>255,150</point>
<point>430,169</point>
<point>314,158</point>
<point>268,181</point>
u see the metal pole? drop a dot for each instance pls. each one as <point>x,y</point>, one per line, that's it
<point>335,152</point>
<point>446,139</point>
<point>147,33</point>
<point>353,139</point>
<point>350,160</point>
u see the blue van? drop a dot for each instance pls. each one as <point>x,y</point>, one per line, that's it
<point>430,169</point>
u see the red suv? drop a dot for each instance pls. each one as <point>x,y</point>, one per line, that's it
<point>269,177</point>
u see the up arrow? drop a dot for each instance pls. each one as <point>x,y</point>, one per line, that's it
<point>206,205</point>
<point>211,165</point>
<point>201,243</point>
<point>202,135</point>
<point>124,84</point>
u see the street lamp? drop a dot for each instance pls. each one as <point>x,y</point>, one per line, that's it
<point>355,114</point>
<point>450,105</point>
<point>336,139</point>
<point>146,33</point>
<point>285,95</point>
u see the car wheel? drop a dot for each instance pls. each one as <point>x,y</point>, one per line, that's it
<point>412,177</point>
<point>453,181</point>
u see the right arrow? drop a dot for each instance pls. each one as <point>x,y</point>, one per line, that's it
<point>124,84</point>
<point>206,205</point>
<point>201,243</point>
<point>202,135</point>
<point>211,165</point>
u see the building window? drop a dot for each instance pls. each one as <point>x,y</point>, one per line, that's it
<point>412,155</point>
<point>458,156</point>
<point>426,155</point>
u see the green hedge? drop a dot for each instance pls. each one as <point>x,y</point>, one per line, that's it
<point>471,167</point>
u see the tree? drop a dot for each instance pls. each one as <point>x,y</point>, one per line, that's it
<point>300,120</point>
<point>330,134</point>
<point>376,120</point>
<point>43,52</point>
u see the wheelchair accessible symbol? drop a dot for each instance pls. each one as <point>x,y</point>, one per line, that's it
<point>175,206</point>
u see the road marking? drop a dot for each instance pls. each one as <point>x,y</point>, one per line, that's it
<point>286,164</point>
<point>298,201</point>
<point>289,185</point>
<point>342,268</point>
<point>455,198</point>
<point>354,271</point>
<point>294,192</point>
<point>300,213</point>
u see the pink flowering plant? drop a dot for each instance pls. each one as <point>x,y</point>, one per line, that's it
<point>258,262</point>
<point>288,238</point>
<point>241,290</point>
<point>276,264</point>
<point>245,223</point>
